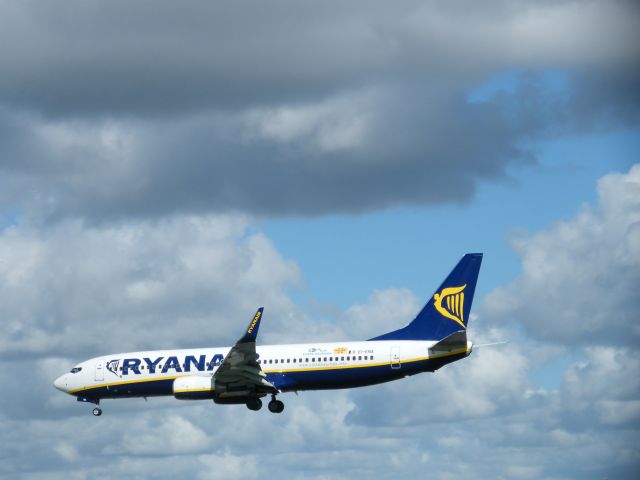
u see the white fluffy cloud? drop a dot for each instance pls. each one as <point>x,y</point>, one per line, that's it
<point>184,281</point>
<point>384,311</point>
<point>581,277</point>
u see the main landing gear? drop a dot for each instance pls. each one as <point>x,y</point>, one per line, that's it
<point>275,406</point>
<point>254,404</point>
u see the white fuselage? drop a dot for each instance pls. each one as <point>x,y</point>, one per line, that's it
<point>290,367</point>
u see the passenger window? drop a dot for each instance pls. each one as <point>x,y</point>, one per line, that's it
<point>359,357</point>
<point>342,359</point>
<point>294,360</point>
<point>288,360</point>
<point>276,360</point>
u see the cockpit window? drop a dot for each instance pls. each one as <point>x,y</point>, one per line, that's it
<point>76,369</point>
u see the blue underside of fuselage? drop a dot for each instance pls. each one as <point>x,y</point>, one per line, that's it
<point>321,379</point>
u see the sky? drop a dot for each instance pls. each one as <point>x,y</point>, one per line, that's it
<point>167,167</point>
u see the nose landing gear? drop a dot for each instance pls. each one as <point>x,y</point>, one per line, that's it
<point>97,411</point>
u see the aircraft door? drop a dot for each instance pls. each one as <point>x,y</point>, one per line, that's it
<point>395,357</point>
<point>99,371</point>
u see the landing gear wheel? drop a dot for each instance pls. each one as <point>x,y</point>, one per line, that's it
<point>275,406</point>
<point>97,412</point>
<point>254,404</point>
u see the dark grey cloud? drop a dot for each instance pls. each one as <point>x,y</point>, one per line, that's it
<point>122,58</point>
<point>113,109</point>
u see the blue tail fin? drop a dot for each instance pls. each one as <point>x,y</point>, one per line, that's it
<point>448,310</point>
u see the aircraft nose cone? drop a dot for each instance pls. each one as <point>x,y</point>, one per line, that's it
<point>60,383</point>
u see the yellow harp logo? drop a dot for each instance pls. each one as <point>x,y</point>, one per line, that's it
<point>450,303</point>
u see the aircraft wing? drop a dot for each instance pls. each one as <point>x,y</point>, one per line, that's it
<point>240,371</point>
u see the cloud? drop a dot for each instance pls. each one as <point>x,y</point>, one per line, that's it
<point>113,58</point>
<point>341,123</point>
<point>495,381</point>
<point>580,276</point>
<point>482,416</point>
<point>67,452</point>
<point>77,289</point>
<point>384,311</point>
<point>172,435</point>
<point>130,141</point>
<point>319,111</point>
<point>254,161</point>
<point>227,466</point>
<point>600,388</point>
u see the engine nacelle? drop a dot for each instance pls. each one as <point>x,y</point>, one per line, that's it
<point>193,387</point>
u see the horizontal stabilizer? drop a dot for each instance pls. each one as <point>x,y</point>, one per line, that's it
<point>455,341</point>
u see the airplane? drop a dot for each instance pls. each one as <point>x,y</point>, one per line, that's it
<point>246,373</point>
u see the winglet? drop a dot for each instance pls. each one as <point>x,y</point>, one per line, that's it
<point>252,331</point>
